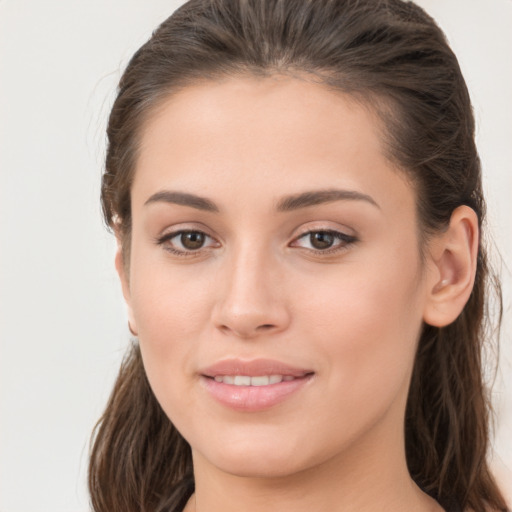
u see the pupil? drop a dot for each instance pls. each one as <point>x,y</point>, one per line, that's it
<point>322,240</point>
<point>192,240</point>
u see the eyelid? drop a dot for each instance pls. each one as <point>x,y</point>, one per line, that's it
<point>181,227</point>
<point>325,226</point>
<point>172,234</point>
<point>337,234</point>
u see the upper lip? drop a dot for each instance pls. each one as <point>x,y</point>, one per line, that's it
<point>253,368</point>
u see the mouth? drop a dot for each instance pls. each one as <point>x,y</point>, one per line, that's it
<point>257,380</point>
<point>253,385</point>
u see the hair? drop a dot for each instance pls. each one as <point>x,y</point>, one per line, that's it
<point>392,55</point>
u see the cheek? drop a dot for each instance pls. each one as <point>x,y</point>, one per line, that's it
<point>368,328</point>
<point>171,308</point>
<point>170,302</point>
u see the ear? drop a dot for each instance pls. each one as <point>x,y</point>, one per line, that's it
<point>122,270</point>
<point>453,267</point>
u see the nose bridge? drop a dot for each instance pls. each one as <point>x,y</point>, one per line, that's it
<point>251,300</point>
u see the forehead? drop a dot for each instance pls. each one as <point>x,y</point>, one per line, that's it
<point>272,109</point>
<point>263,135</point>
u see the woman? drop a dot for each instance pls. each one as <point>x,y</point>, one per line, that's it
<point>296,195</point>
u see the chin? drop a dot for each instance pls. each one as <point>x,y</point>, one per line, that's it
<point>260,456</point>
<point>258,466</point>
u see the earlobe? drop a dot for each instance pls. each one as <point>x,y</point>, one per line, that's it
<point>125,286</point>
<point>453,267</point>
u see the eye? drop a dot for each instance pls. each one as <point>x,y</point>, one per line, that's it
<point>191,240</point>
<point>325,241</point>
<point>186,241</point>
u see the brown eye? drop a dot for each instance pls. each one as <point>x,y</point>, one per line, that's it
<point>321,239</point>
<point>192,240</point>
<point>324,241</point>
<point>187,242</point>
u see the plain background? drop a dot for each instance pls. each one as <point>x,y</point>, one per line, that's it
<point>63,324</point>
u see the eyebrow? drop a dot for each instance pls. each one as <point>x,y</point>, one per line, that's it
<point>184,199</point>
<point>313,198</point>
<point>289,203</point>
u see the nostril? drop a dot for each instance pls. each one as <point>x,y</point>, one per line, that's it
<point>265,327</point>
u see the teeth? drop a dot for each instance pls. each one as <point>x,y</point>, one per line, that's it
<point>242,380</point>
<point>246,380</point>
<point>260,381</point>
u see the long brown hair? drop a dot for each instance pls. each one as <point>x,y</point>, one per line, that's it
<point>391,54</point>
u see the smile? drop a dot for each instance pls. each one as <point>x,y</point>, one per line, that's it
<point>247,380</point>
<point>256,385</point>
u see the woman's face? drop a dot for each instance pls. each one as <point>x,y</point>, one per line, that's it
<point>275,280</point>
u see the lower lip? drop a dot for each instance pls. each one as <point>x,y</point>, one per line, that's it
<point>253,398</point>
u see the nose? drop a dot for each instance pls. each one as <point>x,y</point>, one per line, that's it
<point>251,299</point>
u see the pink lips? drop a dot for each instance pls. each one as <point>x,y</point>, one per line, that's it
<point>248,397</point>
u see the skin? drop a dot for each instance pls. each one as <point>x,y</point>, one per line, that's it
<point>258,288</point>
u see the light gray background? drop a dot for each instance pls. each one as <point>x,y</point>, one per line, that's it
<point>62,323</point>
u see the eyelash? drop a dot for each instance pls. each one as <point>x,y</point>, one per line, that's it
<point>184,253</point>
<point>344,241</point>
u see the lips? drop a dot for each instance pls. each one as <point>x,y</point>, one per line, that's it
<point>253,385</point>
<point>254,368</point>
